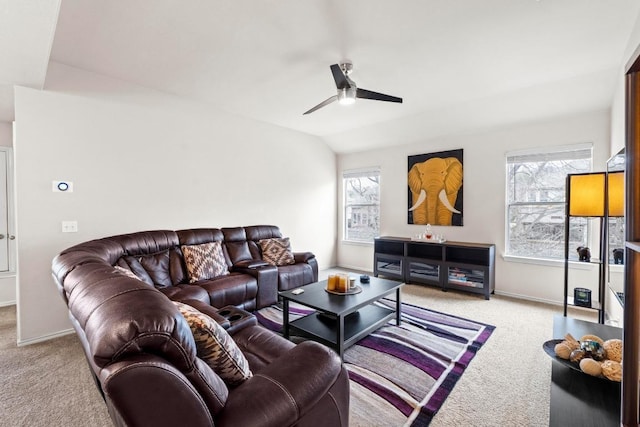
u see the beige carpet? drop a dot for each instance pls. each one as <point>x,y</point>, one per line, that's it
<point>507,383</point>
<point>46,384</point>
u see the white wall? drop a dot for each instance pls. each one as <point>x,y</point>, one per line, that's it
<point>7,280</point>
<point>618,105</point>
<point>6,135</point>
<point>484,194</point>
<point>143,160</point>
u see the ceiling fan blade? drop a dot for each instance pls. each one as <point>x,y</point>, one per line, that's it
<point>339,77</point>
<point>367,94</point>
<point>322,104</point>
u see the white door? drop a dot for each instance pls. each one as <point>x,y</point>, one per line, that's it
<point>5,237</point>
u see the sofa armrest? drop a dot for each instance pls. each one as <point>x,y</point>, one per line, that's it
<point>300,257</point>
<point>209,311</point>
<point>251,263</point>
<point>278,397</point>
<point>147,390</point>
<point>267,278</point>
<point>307,258</point>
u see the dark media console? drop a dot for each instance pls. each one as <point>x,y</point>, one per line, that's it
<point>449,265</point>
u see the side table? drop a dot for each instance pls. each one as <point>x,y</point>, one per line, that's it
<point>578,399</point>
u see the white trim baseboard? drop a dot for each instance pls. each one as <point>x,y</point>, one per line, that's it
<point>527,298</point>
<point>357,269</point>
<point>7,303</point>
<point>46,337</point>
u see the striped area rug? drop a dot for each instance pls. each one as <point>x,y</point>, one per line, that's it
<point>401,375</point>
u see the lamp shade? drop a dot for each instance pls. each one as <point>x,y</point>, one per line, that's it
<point>615,191</point>
<point>586,194</point>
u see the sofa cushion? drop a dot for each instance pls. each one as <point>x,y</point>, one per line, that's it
<point>126,272</point>
<point>151,268</point>
<point>205,261</point>
<point>215,346</point>
<point>277,251</point>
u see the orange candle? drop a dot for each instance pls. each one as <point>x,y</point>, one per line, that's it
<point>343,284</point>
<point>331,282</point>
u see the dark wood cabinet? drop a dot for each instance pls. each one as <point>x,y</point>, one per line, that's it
<point>631,332</point>
<point>449,265</point>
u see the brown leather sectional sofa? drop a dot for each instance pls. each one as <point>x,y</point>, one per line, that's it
<point>142,351</point>
<point>156,258</point>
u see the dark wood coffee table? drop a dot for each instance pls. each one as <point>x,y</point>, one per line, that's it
<point>341,320</point>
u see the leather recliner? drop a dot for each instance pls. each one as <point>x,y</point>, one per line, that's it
<point>143,356</point>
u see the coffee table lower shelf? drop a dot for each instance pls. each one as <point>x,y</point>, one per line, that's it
<point>324,327</point>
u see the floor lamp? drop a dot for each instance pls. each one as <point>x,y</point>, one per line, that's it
<point>586,196</point>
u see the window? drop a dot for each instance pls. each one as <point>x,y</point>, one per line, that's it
<point>361,205</point>
<point>536,184</point>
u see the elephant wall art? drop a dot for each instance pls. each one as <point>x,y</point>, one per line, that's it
<point>435,188</point>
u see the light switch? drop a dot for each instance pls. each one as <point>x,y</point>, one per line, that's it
<point>69,226</point>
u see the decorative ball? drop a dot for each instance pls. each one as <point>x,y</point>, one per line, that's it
<point>613,348</point>
<point>577,355</point>
<point>593,349</point>
<point>612,370</point>
<point>572,343</point>
<point>562,350</point>
<point>591,367</point>
<point>592,338</point>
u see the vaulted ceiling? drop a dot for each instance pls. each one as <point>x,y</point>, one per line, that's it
<point>459,65</point>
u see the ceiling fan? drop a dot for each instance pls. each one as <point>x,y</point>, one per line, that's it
<point>347,90</point>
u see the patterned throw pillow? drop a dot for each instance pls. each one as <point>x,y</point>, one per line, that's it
<point>277,251</point>
<point>216,347</point>
<point>205,261</point>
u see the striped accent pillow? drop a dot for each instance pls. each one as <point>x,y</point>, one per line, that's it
<point>204,261</point>
<point>215,346</point>
<point>277,251</point>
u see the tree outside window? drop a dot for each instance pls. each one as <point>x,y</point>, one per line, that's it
<point>536,190</point>
<point>361,205</point>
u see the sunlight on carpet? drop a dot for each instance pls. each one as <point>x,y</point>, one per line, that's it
<point>401,375</point>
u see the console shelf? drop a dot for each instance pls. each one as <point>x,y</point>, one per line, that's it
<point>461,266</point>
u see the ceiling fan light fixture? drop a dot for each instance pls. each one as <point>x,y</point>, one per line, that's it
<point>347,96</point>
<point>347,91</point>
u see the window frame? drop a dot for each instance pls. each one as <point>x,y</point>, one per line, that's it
<point>553,151</point>
<point>359,173</point>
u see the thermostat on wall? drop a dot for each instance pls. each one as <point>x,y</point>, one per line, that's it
<point>62,186</point>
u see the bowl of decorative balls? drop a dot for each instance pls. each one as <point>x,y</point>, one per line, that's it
<point>590,354</point>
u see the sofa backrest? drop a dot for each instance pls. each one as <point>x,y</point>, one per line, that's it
<point>235,241</point>
<point>255,233</point>
<point>239,243</point>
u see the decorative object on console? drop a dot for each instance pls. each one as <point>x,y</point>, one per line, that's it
<point>582,297</point>
<point>584,254</point>
<point>618,256</point>
<point>435,188</point>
